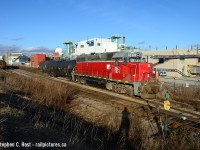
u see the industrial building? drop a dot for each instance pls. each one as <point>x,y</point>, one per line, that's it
<point>176,62</point>
<point>16,58</point>
<point>36,59</point>
<point>94,45</point>
<point>55,56</point>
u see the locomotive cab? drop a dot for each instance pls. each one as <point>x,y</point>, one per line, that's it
<point>128,57</point>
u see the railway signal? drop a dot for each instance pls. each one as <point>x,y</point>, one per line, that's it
<point>166,105</point>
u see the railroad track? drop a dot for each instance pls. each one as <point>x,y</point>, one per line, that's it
<point>151,109</point>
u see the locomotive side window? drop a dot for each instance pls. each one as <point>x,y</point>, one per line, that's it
<point>144,60</point>
<point>134,60</point>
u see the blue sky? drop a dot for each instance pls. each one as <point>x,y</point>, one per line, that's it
<point>32,25</point>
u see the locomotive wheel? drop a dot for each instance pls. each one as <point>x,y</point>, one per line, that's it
<point>114,87</point>
<point>73,77</point>
<point>78,79</point>
<point>119,88</point>
<point>81,80</point>
<point>130,90</point>
<point>51,74</point>
<point>109,85</point>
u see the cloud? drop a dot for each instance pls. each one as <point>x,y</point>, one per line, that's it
<point>141,42</point>
<point>8,48</point>
<point>38,49</point>
<point>17,39</point>
<point>27,51</point>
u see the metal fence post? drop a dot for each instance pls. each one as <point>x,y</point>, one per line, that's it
<point>174,85</point>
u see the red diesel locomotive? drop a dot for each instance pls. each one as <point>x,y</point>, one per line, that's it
<point>126,72</point>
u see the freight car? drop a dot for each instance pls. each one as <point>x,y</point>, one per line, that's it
<point>58,68</point>
<point>125,73</point>
<point>2,64</point>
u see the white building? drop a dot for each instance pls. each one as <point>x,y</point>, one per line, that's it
<point>94,45</point>
<point>15,58</point>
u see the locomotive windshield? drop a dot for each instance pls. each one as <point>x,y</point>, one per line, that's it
<point>134,59</point>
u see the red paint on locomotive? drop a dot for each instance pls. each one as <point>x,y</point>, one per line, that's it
<point>124,72</point>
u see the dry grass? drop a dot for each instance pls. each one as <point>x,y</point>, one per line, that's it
<point>110,137</point>
<point>188,95</point>
<point>105,137</point>
<point>46,92</point>
<point>31,69</point>
<point>181,141</point>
